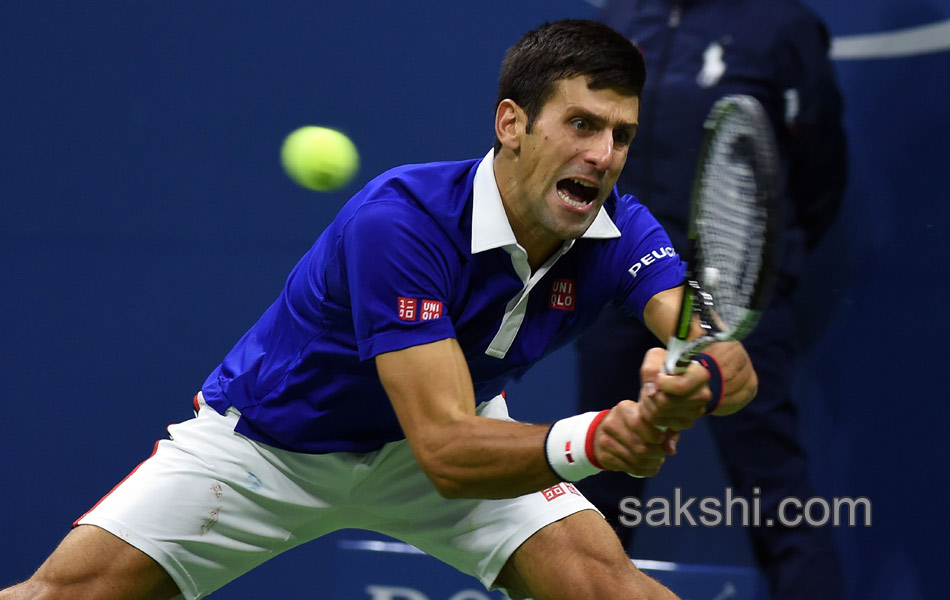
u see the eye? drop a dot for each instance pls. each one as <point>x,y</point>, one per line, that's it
<point>623,137</point>
<point>580,124</point>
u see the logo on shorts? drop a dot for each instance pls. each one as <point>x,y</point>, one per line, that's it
<point>555,492</point>
<point>563,294</point>
<point>412,309</point>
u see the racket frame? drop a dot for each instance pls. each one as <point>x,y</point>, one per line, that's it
<point>696,300</point>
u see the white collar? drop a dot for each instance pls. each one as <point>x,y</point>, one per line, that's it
<point>490,226</point>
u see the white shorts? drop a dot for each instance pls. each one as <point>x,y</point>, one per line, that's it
<point>211,504</point>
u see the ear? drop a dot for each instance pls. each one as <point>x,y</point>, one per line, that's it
<point>510,124</point>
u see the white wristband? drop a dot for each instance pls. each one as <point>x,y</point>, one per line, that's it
<point>569,446</point>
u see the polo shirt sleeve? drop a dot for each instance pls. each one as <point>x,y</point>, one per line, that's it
<point>645,257</point>
<point>399,268</point>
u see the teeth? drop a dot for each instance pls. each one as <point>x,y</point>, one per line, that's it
<point>572,202</point>
<point>583,183</point>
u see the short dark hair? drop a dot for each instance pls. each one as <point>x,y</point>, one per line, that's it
<point>566,49</point>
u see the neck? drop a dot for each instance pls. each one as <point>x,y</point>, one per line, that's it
<point>538,244</point>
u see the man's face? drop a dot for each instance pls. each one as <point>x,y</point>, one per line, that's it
<point>571,159</point>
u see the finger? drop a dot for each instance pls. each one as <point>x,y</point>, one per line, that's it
<point>673,412</point>
<point>664,412</point>
<point>652,364</point>
<point>669,444</point>
<point>625,441</point>
<point>647,401</point>
<point>648,467</point>
<point>628,420</point>
<point>690,381</point>
<point>638,458</point>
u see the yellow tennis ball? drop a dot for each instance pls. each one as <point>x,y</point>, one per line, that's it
<point>319,158</point>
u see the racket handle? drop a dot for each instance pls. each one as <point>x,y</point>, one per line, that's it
<point>677,357</point>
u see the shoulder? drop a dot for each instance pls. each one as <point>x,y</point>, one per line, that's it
<point>631,217</point>
<point>424,183</point>
<point>426,195</point>
<point>409,215</point>
<point>641,235</point>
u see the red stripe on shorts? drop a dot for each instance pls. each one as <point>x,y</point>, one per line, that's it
<point>101,500</point>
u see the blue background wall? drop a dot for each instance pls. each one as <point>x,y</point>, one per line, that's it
<point>145,223</point>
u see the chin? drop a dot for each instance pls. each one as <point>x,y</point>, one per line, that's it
<point>574,232</point>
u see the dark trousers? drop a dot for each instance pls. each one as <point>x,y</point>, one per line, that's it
<point>758,446</point>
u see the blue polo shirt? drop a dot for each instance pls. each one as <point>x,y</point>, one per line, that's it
<point>424,253</point>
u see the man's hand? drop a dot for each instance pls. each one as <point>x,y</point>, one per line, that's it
<point>672,402</point>
<point>627,441</point>
<point>738,375</point>
<point>740,382</point>
<point>636,437</point>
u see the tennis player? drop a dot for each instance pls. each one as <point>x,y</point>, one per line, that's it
<point>369,394</point>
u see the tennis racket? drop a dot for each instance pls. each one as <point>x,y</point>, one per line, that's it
<point>732,242</point>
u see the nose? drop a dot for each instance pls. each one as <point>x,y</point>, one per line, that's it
<point>601,151</point>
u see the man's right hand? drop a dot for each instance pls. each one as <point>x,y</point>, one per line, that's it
<point>627,440</point>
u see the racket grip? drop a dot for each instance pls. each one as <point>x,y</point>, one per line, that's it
<point>677,357</point>
<point>715,380</point>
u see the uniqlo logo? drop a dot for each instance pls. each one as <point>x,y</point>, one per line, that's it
<point>407,308</point>
<point>563,294</point>
<point>431,309</point>
<point>553,493</point>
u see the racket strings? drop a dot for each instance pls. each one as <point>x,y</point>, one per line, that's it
<point>731,224</point>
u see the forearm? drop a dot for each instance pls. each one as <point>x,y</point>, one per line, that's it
<point>487,458</point>
<point>464,454</point>
<point>478,457</point>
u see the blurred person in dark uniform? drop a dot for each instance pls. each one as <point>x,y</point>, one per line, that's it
<point>697,51</point>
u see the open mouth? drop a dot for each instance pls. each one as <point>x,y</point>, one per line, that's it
<point>576,192</point>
